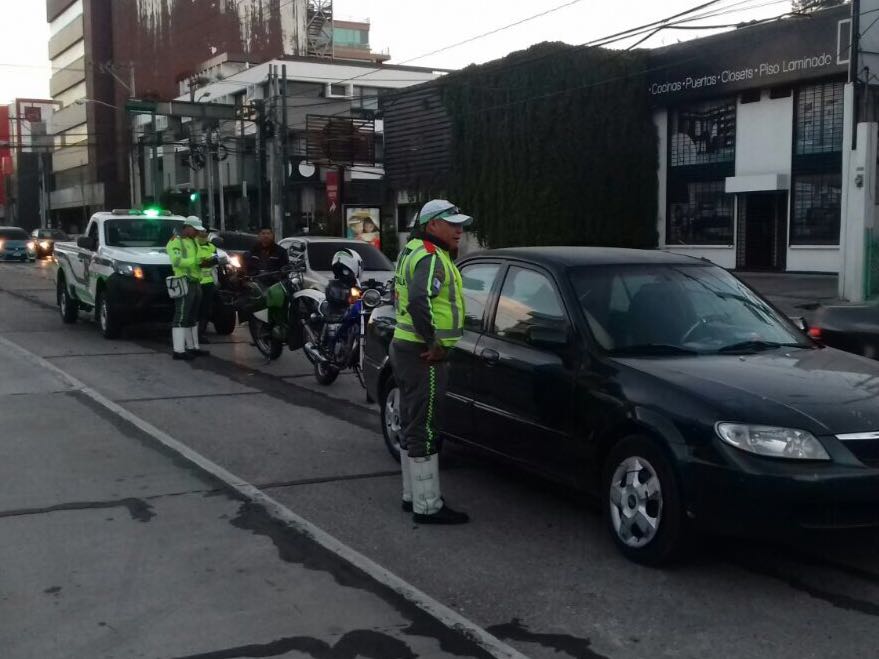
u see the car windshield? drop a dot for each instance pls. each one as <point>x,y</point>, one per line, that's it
<point>53,234</point>
<point>13,234</point>
<point>139,233</point>
<point>677,310</point>
<point>320,255</point>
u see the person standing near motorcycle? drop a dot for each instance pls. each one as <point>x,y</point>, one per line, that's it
<point>429,304</point>
<point>183,251</point>
<point>207,257</point>
<point>266,255</point>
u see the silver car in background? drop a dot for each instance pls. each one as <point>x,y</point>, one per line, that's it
<point>319,251</point>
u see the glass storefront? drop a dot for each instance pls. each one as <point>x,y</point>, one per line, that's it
<point>700,213</point>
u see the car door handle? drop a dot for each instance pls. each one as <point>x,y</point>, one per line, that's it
<point>490,357</point>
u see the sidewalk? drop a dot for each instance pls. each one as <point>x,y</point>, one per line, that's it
<point>112,547</point>
<point>794,294</point>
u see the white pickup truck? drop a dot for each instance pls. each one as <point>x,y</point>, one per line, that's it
<point>117,270</point>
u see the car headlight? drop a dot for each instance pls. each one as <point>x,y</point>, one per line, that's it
<point>129,269</point>
<point>773,442</point>
<point>45,244</point>
<point>30,245</point>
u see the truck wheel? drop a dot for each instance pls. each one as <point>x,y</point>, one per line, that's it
<point>68,307</point>
<point>225,319</point>
<point>106,316</point>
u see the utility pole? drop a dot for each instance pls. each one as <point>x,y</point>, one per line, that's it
<point>220,179</point>
<point>154,165</point>
<point>209,166</point>
<point>284,155</point>
<point>853,62</point>
<point>260,106</point>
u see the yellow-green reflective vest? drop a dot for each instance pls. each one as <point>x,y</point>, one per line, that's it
<point>183,253</point>
<point>446,306</point>
<point>206,251</point>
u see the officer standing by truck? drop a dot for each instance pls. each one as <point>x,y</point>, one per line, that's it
<point>183,252</point>
<point>207,256</point>
<point>430,321</point>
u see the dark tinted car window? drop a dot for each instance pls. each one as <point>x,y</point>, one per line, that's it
<point>528,299</point>
<point>139,233</point>
<point>320,255</point>
<point>13,233</point>
<point>238,242</point>
<point>51,234</point>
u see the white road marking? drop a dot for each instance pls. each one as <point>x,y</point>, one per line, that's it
<point>441,612</point>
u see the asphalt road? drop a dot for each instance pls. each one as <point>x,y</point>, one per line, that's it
<point>165,562</point>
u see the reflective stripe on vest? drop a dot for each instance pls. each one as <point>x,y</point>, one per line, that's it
<point>447,307</point>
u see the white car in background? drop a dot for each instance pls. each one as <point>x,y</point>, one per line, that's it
<point>319,251</point>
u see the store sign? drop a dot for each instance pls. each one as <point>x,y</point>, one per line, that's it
<point>769,55</point>
<point>332,191</point>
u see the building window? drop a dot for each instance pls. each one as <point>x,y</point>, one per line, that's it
<point>700,214</point>
<point>351,37</point>
<point>816,212</point>
<point>703,133</point>
<point>820,118</point>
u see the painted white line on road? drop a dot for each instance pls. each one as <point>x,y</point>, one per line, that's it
<point>441,612</point>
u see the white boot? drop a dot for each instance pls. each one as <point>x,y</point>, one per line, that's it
<point>193,337</point>
<point>425,484</point>
<point>178,339</point>
<point>187,336</point>
<point>407,476</point>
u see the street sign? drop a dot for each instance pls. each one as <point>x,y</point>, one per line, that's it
<point>136,105</point>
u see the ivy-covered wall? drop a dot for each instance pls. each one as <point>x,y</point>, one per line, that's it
<point>555,145</point>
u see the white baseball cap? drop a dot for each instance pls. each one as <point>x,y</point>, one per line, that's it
<point>441,209</point>
<point>195,223</point>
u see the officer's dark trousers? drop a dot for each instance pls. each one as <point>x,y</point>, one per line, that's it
<point>186,307</point>
<point>206,307</point>
<point>422,392</point>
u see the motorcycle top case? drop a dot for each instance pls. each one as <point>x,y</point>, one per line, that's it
<point>276,296</point>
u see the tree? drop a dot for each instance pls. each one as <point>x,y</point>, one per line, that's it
<point>805,6</point>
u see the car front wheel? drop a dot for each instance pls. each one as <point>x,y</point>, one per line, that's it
<point>392,428</point>
<point>110,326</point>
<point>642,502</point>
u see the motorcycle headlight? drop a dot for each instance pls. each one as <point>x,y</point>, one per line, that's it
<point>129,269</point>
<point>235,261</point>
<point>773,442</point>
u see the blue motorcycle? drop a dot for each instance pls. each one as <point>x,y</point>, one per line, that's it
<point>334,326</point>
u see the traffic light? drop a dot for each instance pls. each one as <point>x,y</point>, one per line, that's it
<point>194,197</point>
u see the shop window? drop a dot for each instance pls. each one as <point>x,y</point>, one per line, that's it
<point>816,209</point>
<point>703,133</point>
<point>819,118</point>
<point>750,96</point>
<point>700,214</point>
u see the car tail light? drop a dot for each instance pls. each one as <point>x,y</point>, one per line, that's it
<point>815,333</point>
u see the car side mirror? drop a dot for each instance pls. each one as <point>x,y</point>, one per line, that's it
<point>87,242</point>
<point>800,322</point>
<point>548,338</point>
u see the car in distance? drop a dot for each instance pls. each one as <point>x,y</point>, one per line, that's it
<point>659,383</point>
<point>319,251</point>
<point>44,241</point>
<point>16,245</point>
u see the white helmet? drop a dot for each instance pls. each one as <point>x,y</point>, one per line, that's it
<point>347,266</point>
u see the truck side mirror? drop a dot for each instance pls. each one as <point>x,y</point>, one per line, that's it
<point>87,242</point>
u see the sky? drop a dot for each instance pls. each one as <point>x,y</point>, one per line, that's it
<point>410,28</point>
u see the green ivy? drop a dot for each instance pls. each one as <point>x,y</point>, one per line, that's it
<point>555,145</point>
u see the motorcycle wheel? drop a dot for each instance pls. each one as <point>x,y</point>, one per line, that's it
<point>325,374</point>
<point>261,333</point>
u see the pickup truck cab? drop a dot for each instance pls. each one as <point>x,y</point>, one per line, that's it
<point>117,270</point>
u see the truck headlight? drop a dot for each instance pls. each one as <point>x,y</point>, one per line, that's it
<point>773,442</point>
<point>128,269</point>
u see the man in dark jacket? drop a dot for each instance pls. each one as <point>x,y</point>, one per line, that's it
<point>266,255</point>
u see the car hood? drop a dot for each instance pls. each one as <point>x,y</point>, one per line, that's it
<point>824,391</point>
<point>141,255</point>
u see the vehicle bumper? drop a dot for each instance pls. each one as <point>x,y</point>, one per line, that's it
<point>16,256</point>
<point>773,498</point>
<point>139,299</point>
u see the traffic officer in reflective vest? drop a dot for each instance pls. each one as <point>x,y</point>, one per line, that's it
<point>207,257</point>
<point>430,320</point>
<point>183,252</point>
